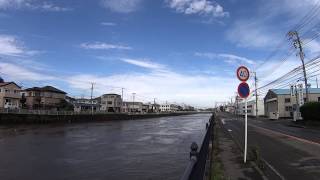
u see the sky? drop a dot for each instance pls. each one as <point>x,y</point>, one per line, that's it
<point>177,51</point>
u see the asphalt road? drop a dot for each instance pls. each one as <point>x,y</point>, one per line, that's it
<point>292,151</point>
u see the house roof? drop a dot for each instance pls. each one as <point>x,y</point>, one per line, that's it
<point>287,91</point>
<point>46,88</point>
<point>7,83</point>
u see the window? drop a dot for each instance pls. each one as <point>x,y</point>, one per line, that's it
<point>287,100</point>
<point>304,99</point>
<point>109,102</point>
<point>318,98</point>
<point>7,90</point>
<point>289,108</point>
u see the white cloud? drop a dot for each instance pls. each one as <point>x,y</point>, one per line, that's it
<point>170,86</point>
<point>144,63</point>
<point>121,6</point>
<point>104,46</point>
<point>237,58</point>
<point>108,24</point>
<point>10,46</point>
<point>200,7</point>
<point>31,4</point>
<point>268,24</point>
<point>253,34</point>
<point>228,58</point>
<point>19,73</point>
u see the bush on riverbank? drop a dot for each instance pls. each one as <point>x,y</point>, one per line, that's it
<point>310,111</point>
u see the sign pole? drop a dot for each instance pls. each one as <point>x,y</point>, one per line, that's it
<point>245,131</point>
<point>243,75</point>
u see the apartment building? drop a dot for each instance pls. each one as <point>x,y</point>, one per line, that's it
<point>111,103</point>
<point>9,95</point>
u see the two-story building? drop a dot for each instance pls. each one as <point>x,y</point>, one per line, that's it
<point>251,108</point>
<point>46,97</point>
<point>9,95</point>
<point>279,103</point>
<point>111,103</point>
<point>86,105</point>
<point>168,108</point>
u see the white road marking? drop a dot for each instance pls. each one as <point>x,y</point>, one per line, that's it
<point>229,130</point>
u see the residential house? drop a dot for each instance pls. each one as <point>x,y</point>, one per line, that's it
<point>46,98</point>
<point>111,103</point>
<point>9,95</point>
<point>280,102</point>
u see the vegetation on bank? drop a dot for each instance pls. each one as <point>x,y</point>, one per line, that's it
<point>217,170</point>
<point>310,111</point>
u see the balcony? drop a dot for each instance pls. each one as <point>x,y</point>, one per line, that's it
<point>11,95</point>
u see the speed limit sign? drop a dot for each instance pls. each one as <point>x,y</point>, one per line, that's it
<point>243,73</point>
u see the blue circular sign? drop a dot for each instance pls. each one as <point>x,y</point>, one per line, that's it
<point>243,90</point>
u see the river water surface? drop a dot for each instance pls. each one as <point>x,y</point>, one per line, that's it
<point>122,150</point>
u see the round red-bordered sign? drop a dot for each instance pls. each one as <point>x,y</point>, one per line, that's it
<point>243,73</point>
<point>243,90</point>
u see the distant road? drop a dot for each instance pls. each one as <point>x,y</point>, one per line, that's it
<point>292,151</point>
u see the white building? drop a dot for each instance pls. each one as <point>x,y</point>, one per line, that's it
<point>279,103</point>
<point>251,108</point>
<point>168,108</point>
<point>86,105</point>
<point>111,103</point>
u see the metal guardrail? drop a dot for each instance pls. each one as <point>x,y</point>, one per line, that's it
<point>198,159</point>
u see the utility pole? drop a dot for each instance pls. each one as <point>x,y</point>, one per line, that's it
<point>256,91</point>
<point>298,45</point>
<point>317,82</point>
<point>91,97</point>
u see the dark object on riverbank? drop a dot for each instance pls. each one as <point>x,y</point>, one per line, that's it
<point>39,119</point>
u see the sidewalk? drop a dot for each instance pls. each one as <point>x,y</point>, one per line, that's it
<point>232,159</point>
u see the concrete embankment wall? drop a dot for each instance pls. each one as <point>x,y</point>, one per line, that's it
<point>35,118</point>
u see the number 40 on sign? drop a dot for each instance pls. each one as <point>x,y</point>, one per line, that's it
<point>243,73</point>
